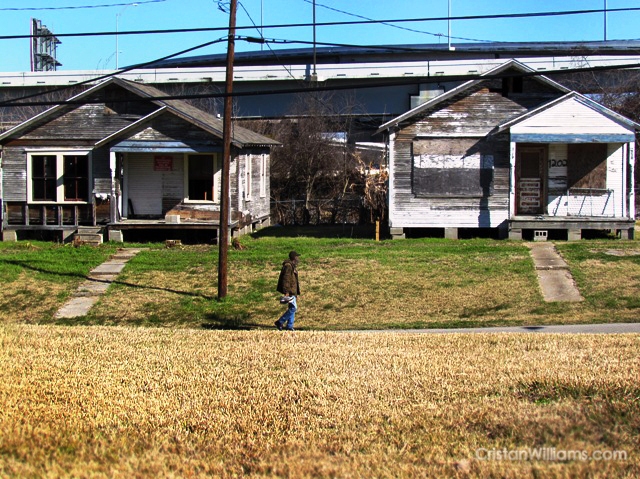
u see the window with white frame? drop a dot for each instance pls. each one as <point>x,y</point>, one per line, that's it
<point>58,177</point>
<point>202,178</point>
<point>247,177</point>
<point>263,175</point>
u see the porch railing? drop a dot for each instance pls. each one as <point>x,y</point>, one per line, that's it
<point>53,214</point>
<point>585,202</point>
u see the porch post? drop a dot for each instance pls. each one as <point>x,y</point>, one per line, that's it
<point>112,197</point>
<point>391,164</point>
<point>631,180</point>
<point>512,179</point>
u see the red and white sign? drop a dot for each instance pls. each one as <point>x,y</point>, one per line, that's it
<point>162,163</point>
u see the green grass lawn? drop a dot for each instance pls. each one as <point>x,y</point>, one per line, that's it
<point>347,283</point>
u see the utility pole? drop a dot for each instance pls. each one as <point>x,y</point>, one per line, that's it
<point>223,236</point>
<point>449,24</point>
<point>314,75</point>
<point>605,20</point>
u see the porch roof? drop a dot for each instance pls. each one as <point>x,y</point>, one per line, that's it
<point>572,118</point>
<point>137,146</point>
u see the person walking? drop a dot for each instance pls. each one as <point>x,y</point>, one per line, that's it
<point>289,286</point>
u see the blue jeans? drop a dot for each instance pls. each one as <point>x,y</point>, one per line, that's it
<point>289,315</point>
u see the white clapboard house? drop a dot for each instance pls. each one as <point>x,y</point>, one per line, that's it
<point>513,151</point>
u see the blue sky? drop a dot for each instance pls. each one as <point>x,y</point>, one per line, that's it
<point>96,53</point>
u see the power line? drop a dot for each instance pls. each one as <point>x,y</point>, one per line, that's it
<point>264,41</point>
<point>109,75</point>
<point>79,7</point>
<point>439,35</point>
<point>350,86</point>
<point>331,24</point>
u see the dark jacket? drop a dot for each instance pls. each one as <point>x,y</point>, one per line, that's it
<point>288,280</point>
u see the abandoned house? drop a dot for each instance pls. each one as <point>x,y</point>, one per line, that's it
<point>515,152</point>
<point>120,159</point>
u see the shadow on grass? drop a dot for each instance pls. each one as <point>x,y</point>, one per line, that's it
<point>230,321</point>
<point>98,280</point>
<point>319,231</point>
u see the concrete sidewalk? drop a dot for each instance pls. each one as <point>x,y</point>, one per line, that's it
<point>554,276</point>
<point>605,328</point>
<point>97,283</point>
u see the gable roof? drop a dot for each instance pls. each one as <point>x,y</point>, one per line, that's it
<point>513,64</point>
<point>603,110</point>
<point>51,112</point>
<point>242,137</point>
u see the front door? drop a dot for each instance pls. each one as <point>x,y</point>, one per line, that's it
<point>530,178</point>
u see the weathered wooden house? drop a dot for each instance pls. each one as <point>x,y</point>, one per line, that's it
<point>120,158</point>
<point>514,151</point>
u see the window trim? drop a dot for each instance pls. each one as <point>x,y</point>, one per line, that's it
<point>263,175</point>
<point>217,178</point>
<point>59,173</point>
<point>248,177</point>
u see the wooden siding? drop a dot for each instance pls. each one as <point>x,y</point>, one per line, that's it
<point>100,171</point>
<point>14,164</point>
<point>170,127</point>
<point>14,174</point>
<point>410,210</point>
<point>459,134</point>
<point>152,191</point>
<point>257,206</point>
<point>570,118</point>
<point>616,180</point>
<point>476,112</point>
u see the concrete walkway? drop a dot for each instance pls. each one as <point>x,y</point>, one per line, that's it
<point>97,283</point>
<point>606,328</point>
<point>554,277</point>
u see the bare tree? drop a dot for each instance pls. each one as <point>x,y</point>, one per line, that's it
<point>13,115</point>
<point>315,160</point>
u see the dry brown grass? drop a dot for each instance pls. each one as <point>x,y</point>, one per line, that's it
<point>29,300</point>
<point>135,402</point>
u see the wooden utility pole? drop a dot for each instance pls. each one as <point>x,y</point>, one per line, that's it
<point>223,236</point>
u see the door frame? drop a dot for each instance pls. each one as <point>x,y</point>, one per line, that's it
<point>542,151</point>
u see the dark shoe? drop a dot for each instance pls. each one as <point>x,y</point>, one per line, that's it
<point>278,325</point>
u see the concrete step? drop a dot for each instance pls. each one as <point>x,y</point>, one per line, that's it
<point>88,238</point>
<point>90,235</point>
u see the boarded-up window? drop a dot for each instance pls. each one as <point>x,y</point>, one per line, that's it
<point>587,166</point>
<point>445,175</point>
